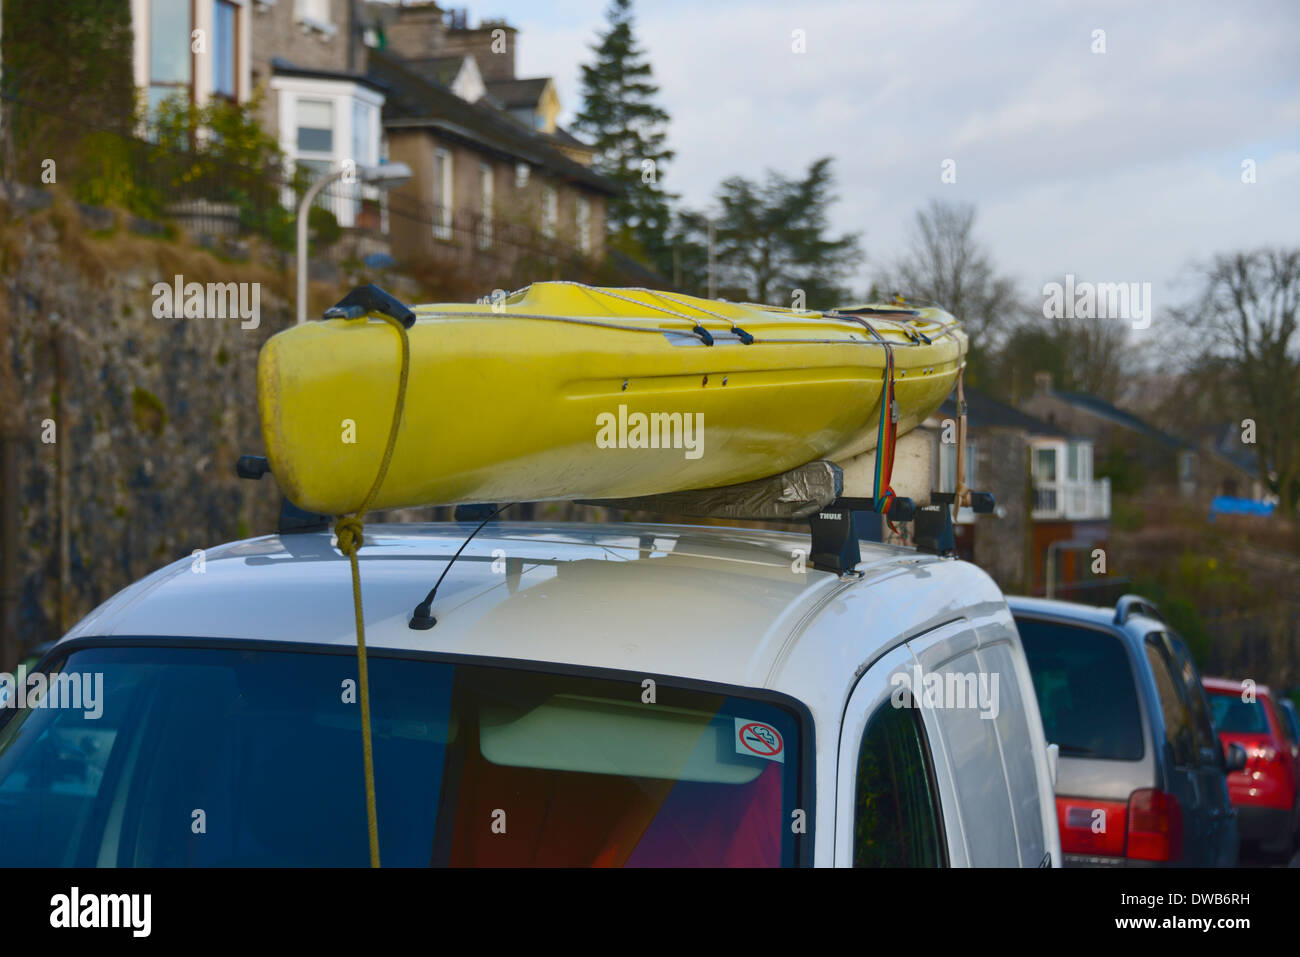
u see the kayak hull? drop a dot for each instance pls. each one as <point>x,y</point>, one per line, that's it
<point>503,408</point>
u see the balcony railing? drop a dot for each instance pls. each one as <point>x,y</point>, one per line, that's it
<point>1072,500</point>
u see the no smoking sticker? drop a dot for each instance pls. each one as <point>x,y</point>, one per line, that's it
<point>759,740</point>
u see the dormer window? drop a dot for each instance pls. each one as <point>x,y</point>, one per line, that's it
<point>315,15</point>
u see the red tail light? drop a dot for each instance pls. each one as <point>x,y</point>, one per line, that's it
<point>1093,828</point>
<point>1155,826</point>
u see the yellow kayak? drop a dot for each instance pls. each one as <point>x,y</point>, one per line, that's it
<point>566,391</point>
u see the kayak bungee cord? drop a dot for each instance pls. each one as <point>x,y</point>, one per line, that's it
<point>886,438</point>
<point>961,490</point>
<point>658,331</point>
<point>902,326</point>
<point>348,531</point>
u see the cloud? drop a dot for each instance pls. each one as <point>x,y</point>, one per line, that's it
<point>1121,165</point>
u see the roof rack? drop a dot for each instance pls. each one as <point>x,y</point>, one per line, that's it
<point>814,493</point>
<point>1130,605</point>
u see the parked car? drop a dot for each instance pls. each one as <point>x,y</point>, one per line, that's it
<point>1265,790</point>
<point>1292,718</point>
<point>1141,777</point>
<point>590,694</point>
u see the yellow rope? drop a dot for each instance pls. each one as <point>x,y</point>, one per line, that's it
<point>348,531</point>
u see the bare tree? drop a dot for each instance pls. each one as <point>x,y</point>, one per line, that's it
<point>946,264</point>
<point>1246,313</point>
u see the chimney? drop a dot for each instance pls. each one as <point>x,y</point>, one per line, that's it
<point>416,31</point>
<point>1042,383</point>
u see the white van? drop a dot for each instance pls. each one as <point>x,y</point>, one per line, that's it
<point>638,695</point>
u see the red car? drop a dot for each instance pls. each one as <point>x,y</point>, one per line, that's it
<point>1266,793</point>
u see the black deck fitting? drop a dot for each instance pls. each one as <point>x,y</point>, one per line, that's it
<point>367,299</point>
<point>252,467</point>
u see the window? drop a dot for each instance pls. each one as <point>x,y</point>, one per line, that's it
<point>485,205</point>
<point>224,48</point>
<point>315,126</point>
<point>364,149</point>
<point>1179,732</point>
<point>1234,716</point>
<point>1207,743</point>
<point>584,224</point>
<point>315,12</point>
<point>588,774</point>
<point>521,175</point>
<point>170,60</point>
<point>1290,722</point>
<point>550,211</point>
<point>442,194</point>
<point>895,811</point>
<point>1045,466</point>
<point>1085,690</point>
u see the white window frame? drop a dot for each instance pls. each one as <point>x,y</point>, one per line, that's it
<point>344,95</point>
<point>521,175</point>
<point>486,189</point>
<point>583,224</point>
<point>444,195</point>
<point>314,15</point>
<point>201,79</point>
<point>550,210</point>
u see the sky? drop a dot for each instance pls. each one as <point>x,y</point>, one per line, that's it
<point>1122,166</point>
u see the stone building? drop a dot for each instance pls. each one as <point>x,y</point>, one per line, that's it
<point>494,176</point>
<point>1051,510</point>
<point>1162,464</point>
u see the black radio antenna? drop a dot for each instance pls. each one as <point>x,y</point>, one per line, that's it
<point>422,618</point>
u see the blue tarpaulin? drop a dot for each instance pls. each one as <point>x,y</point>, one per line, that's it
<point>1227,505</point>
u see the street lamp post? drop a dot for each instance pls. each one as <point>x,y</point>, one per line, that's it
<point>384,176</point>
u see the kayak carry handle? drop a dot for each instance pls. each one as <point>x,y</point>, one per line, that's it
<point>367,299</point>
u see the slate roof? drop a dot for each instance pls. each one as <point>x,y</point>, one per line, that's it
<point>517,93</point>
<point>414,101</point>
<point>984,411</point>
<point>440,69</point>
<point>1120,417</point>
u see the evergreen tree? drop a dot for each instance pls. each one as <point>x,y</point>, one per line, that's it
<point>771,240</point>
<point>621,120</point>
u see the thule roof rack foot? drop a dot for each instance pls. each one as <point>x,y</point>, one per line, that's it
<point>933,531</point>
<point>837,529</point>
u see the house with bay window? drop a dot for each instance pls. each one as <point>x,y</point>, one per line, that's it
<point>305,58</point>
<point>344,81</point>
<point>1052,513</point>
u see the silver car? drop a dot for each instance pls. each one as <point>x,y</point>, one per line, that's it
<point>1141,779</point>
<point>590,694</point>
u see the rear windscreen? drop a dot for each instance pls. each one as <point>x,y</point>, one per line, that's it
<point>1235,716</point>
<point>1085,690</point>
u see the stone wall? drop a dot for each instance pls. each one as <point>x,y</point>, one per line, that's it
<point>122,428</point>
<point>1002,541</point>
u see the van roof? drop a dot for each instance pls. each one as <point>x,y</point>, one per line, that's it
<point>713,604</point>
